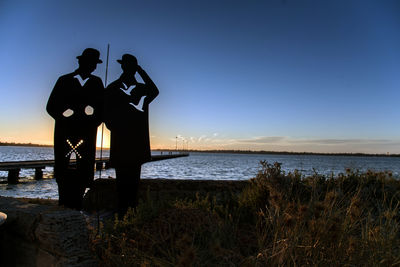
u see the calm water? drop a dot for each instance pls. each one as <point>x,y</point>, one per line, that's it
<point>216,166</point>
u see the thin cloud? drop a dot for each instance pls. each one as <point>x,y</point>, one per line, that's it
<point>344,141</point>
<point>282,139</point>
<point>201,138</point>
<point>285,143</point>
<point>263,140</point>
<point>175,138</point>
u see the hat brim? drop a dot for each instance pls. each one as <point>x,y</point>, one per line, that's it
<point>99,61</point>
<point>120,61</point>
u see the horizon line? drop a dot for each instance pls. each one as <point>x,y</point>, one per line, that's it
<point>238,151</point>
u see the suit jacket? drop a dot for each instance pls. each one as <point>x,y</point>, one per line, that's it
<point>68,93</point>
<point>130,143</point>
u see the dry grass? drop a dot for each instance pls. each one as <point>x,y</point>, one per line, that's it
<point>40,201</point>
<point>279,220</point>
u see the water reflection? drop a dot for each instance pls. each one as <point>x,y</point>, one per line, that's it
<point>197,166</point>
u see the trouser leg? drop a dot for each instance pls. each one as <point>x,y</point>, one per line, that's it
<point>73,180</point>
<point>71,190</point>
<point>77,193</point>
<point>61,192</point>
<point>61,173</point>
<point>128,181</point>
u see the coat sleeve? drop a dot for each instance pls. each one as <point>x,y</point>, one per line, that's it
<point>152,90</point>
<point>108,104</point>
<point>99,101</point>
<point>55,105</point>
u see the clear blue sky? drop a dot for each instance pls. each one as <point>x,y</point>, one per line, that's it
<point>292,75</point>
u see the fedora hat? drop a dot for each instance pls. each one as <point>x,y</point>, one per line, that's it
<point>127,59</point>
<point>90,54</point>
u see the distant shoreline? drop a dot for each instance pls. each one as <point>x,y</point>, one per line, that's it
<point>34,145</point>
<point>234,151</point>
<point>281,153</point>
<point>23,144</point>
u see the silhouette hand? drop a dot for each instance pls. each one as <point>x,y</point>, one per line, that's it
<point>68,113</point>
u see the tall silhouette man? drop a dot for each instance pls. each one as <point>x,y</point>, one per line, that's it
<point>126,115</point>
<point>76,104</point>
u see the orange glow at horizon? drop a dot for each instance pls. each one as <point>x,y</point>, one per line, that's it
<point>106,136</point>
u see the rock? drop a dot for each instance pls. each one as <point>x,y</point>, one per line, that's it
<point>48,235</point>
<point>3,218</point>
<point>43,235</point>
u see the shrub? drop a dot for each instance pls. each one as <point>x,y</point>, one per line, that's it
<point>278,220</point>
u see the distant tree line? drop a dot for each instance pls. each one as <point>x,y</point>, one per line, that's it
<point>23,144</point>
<point>236,151</point>
<point>285,153</point>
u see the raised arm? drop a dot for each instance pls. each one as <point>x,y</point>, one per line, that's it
<point>152,88</point>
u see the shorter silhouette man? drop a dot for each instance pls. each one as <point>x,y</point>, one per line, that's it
<point>126,115</point>
<point>76,104</point>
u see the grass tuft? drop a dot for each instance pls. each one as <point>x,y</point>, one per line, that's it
<point>279,219</point>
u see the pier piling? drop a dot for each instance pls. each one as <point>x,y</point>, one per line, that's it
<point>99,165</point>
<point>14,167</point>
<point>38,173</point>
<point>107,165</point>
<point>13,176</point>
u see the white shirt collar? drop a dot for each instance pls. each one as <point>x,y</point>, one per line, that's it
<point>81,81</point>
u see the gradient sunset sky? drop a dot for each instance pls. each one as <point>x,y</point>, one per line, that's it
<point>281,75</point>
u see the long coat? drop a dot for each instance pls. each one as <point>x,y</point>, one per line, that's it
<point>68,93</point>
<point>130,143</point>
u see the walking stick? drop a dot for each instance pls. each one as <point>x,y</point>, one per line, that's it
<point>101,149</point>
<point>102,124</point>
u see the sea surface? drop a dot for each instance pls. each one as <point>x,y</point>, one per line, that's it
<point>199,166</point>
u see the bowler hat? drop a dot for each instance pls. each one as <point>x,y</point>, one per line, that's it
<point>90,54</point>
<point>127,59</point>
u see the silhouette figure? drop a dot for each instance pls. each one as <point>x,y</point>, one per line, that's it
<point>76,104</point>
<point>126,115</point>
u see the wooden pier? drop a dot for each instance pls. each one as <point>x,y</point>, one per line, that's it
<point>14,167</point>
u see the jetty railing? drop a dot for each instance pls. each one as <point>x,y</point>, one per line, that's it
<point>14,167</point>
